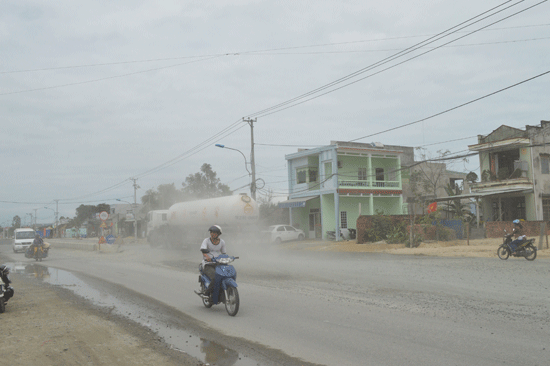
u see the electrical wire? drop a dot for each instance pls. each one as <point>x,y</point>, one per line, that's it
<point>288,104</point>
<point>453,108</point>
<point>105,78</point>
<point>260,52</point>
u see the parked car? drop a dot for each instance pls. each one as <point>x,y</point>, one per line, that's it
<point>279,233</point>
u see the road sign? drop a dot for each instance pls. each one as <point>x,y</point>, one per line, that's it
<point>104,215</point>
<point>110,239</point>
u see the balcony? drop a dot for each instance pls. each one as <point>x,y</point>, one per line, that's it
<point>367,184</point>
<point>496,185</point>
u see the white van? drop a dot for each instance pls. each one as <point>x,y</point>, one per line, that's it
<point>23,239</point>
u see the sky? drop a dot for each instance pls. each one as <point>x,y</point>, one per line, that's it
<point>95,93</point>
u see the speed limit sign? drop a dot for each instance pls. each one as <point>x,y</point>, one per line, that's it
<point>103,215</point>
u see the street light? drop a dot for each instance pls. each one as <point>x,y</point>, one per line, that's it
<point>135,218</point>
<point>253,184</point>
<point>55,228</point>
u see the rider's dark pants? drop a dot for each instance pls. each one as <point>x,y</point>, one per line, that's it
<point>210,271</point>
<point>514,245</point>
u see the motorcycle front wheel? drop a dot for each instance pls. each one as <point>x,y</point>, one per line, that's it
<point>232,301</point>
<point>530,252</point>
<point>503,252</point>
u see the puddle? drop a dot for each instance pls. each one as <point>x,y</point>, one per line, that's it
<point>203,349</point>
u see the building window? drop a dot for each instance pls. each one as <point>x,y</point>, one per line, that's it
<point>362,174</point>
<point>546,209</point>
<point>343,220</point>
<point>379,173</point>
<point>328,170</point>
<point>313,173</point>
<point>301,175</point>
<point>544,164</point>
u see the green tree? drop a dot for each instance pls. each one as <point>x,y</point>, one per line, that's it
<point>16,222</point>
<point>86,212</point>
<point>204,184</point>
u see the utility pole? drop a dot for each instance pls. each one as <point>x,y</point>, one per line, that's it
<point>134,208</point>
<point>35,218</point>
<point>251,121</point>
<point>56,233</point>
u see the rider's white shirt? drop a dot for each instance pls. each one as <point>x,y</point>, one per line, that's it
<point>215,250</point>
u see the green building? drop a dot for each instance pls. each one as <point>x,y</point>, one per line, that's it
<point>331,186</point>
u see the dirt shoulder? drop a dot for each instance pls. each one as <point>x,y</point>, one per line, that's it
<point>46,325</point>
<point>456,248</point>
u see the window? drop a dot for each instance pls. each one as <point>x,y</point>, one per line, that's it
<point>343,220</point>
<point>546,209</point>
<point>379,173</point>
<point>313,173</point>
<point>328,170</point>
<point>379,177</point>
<point>301,175</point>
<point>544,164</point>
<point>362,174</point>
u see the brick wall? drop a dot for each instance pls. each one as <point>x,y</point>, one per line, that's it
<point>495,229</point>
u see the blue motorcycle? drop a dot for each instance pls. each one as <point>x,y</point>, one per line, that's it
<point>225,285</point>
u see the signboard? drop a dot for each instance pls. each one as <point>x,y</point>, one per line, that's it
<point>110,239</point>
<point>104,215</point>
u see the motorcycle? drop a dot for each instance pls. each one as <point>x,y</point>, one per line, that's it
<point>225,285</point>
<point>39,254</point>
<point>525,249</point>
<point>6,292</point>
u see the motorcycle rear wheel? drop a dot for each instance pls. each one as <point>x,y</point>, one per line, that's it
<point>205,301</point>
<point>2,305</point>
<point>530,252</point>
<point>503,252</point>
<point>232,301</point>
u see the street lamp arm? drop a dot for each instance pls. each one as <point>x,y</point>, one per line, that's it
<point>230,148</point>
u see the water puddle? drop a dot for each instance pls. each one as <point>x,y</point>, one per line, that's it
<point>205,350</point>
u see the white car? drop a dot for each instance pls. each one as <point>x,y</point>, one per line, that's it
<point>279,233</point>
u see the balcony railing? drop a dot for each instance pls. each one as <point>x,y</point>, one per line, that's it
<point>367,184</point>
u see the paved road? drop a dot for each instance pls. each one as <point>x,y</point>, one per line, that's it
<point>356,309</point>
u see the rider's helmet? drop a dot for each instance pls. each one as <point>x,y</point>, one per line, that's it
<point>4,271</point>
<point>215,229</point>
<point>516,221</point>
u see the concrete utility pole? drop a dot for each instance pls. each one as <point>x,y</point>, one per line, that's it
<point>251,121</point>
<point>56,232</point>
<point>134,206</point>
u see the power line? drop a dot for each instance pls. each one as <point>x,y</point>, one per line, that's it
<point>453,108</point>
<point>264,51</point>
<point>105,78</point>
<point>291,102</point>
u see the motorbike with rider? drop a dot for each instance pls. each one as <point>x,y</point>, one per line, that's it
<point>36,250</point>
<point>217,277</point>
<point>6,291</point>
<point>520,247</point>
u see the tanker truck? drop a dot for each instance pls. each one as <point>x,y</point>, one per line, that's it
<point>186,224</point>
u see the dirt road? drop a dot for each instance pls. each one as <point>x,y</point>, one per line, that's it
<point>47,325</point>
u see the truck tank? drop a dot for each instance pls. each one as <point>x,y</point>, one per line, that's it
<point>227,211</point>
<point>188,222</point>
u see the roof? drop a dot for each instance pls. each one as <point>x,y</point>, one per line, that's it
<point>296,202</point>
<point>485,194</point>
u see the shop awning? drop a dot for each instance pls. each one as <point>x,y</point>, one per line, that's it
<point>296,202</point>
